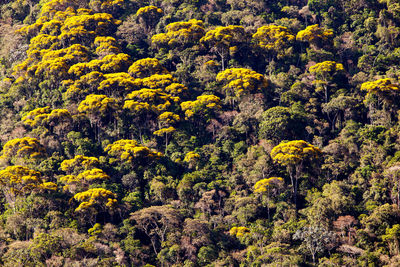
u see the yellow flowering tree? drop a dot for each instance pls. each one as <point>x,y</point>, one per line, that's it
<point>324,73</point>
<point>294,155</point>
<point>240,81</point>
<point>23,148</point>
<point>106,45</point>
<point>36,116</point>
<point>116,84</point>
<point>315,35</point>
<point>149,16</point>
<point>180,34</point>
<point>192,158</point>
<point>79,163</point>
<point>82,181</point>
<point>224,40</point>
<point>146,67</point>
<point>98,105</point>
<point>132,152</point>
<point>57,120</point>
<point>155,81</point>
<point>145,105</point>
<point>202,107</point>
<point>273,39</point>
<point>149,100</point>
<point>98,108</point>
<point>62,42</point>
<point>95,200</point>
<point>166,120</point>
<point>382,88</point>
<point>268,187</point>
<point>129,150</point>
<point>132,156</point>
<point>381,94</point>
<point>240,232</point>
<point>18,181</point>
<point>108,64</point>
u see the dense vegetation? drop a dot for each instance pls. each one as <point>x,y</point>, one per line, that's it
<point>199,133</point>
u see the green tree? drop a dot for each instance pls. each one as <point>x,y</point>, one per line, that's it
<point>335,199</point>
<point>281,123</point>
<point>392,236</point>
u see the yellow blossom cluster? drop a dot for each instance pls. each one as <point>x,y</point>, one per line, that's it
<point>293,152</point>
<point>180,33</point>
<point>43,116</point>
<point>129,150</point>
<point>93,197</point>
<point>239,231</point>
<point>264,184</point>
<point>273,38</point>
<point>25,147</point>
<point>241,81</point>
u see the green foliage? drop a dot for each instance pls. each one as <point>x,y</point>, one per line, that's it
<point>281,123</point>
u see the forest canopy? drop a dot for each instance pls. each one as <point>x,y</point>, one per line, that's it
<point>199,133</point>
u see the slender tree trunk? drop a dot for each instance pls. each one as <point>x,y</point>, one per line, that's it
<point>398,193</point>
<point>293,180</point>
<point>153,243</point>
<point>268,202</point>
<point>295,192</point>
<point>140,135</point>
<point>166,143</point>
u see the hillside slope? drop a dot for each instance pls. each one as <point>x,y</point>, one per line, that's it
<point>199,133</point>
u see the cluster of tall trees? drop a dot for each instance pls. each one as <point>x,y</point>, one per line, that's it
<point>199,133</point>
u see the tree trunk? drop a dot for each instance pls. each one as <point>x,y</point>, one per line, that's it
<point>293,179</point>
